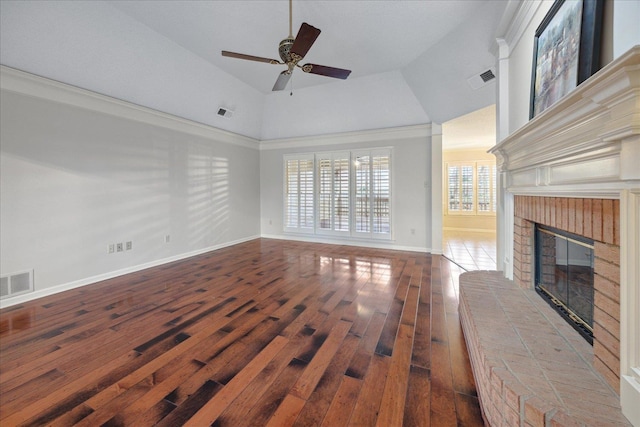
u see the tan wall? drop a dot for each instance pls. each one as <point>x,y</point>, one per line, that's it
<point>469,222</point>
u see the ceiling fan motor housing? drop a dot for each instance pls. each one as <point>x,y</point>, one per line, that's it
<point>284,49</point>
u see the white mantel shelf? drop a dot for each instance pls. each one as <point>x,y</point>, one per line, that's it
<point>588,145</point>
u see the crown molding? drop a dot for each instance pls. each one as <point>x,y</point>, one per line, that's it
<point>520,22</point>
<point>375,135</point>
<point>21,82</point>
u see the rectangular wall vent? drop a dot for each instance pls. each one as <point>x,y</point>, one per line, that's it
<point>15,284</point>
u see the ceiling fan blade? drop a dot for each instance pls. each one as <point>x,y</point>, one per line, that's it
<point>250,57</point>
<point>282,81</point>
<point>323,70</point>
<point>307,35</point>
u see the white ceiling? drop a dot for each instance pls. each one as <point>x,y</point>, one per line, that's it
<point>166,55</point>
<point>367,37</point>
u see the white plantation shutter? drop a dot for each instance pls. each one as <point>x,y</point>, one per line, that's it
<point>471,188</point>
<point>362,169</point>
<point>381,193</point>
<point>339,193</point>
<point>486,187</point>
<point>299,197</point>
<point>372,211</point>
<point>333,192</point>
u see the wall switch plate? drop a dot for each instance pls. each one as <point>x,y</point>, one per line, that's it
<point>111,248</point>
<point>119,247</point>
<point>129,245</point>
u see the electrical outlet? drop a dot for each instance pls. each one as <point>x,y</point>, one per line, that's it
<point>111,248</point>
<point>167,238</point>
<point>119,247</point>
<point>129,245</point>
<point>413,231</point>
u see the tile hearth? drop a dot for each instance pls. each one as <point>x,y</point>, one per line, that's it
<point>530,365</point>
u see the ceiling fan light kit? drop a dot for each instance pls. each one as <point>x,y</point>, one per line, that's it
<point>291,52</point>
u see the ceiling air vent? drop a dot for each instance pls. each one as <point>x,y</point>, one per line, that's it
<point>481,79</point>
<point>487,75</point>
<point>225,112</point>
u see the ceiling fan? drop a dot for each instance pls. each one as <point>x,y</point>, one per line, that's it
<point>291,52</point>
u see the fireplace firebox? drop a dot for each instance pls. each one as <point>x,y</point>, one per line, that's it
<point>564,276</point>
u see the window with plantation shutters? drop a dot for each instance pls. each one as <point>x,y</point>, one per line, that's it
<point>372,205</point>
<point>340,193</point>
<point>333,192</point>
<point>486,187</point>
<point>471,188</point>
<point>299,193</point>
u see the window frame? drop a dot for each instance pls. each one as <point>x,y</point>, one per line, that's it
<point>475,165</point>
<point>332,156</point>
<point>286,225</point>
<point>318,186</point>
<point>371,233</point>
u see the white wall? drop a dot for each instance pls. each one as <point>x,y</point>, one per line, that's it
<point>411,174</point>
<point>92,45</point>
<point>75,179</point>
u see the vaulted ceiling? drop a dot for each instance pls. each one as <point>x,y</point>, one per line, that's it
<point>410,60</point>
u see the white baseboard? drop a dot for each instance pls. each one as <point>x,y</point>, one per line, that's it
<point>19,299</point>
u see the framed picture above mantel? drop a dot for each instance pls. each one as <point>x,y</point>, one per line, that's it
<point>566,50</point>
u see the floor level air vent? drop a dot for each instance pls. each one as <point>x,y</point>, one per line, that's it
<point>16,284</point>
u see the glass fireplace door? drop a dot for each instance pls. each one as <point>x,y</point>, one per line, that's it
<point>564,275</point>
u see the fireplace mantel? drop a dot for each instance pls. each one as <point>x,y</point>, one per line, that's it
<point>587,145</point>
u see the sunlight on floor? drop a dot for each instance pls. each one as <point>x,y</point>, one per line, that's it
<point>471,250</point>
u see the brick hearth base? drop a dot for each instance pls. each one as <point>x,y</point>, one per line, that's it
<point>530,366</point>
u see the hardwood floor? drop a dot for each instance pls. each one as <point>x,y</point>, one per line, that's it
<point>266,332</point>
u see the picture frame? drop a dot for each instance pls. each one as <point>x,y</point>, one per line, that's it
<point>566,50</point>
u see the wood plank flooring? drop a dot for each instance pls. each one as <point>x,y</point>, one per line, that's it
<point>266,332</point>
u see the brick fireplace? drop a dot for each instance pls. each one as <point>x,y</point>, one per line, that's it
<point>596,219</point>
<point>575,168</point>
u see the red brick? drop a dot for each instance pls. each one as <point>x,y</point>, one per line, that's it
<point>609,253</point>
<point>535,410</point>
<point>571,215</point>
<point>611,361</point>
<point>616,222</point>
<point>596,218</point>
<point>608,227</point>
<point>606,320</point>
<point>564,213</point>
<point>562,419</point>
<point>606,339</point>
<point>579,217</point>
<point>607,305</point>
<point>607,270</point>
<point>587,219</point>
<point>511,417</point>
<point>609,376</point>
<point>607,287</point>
